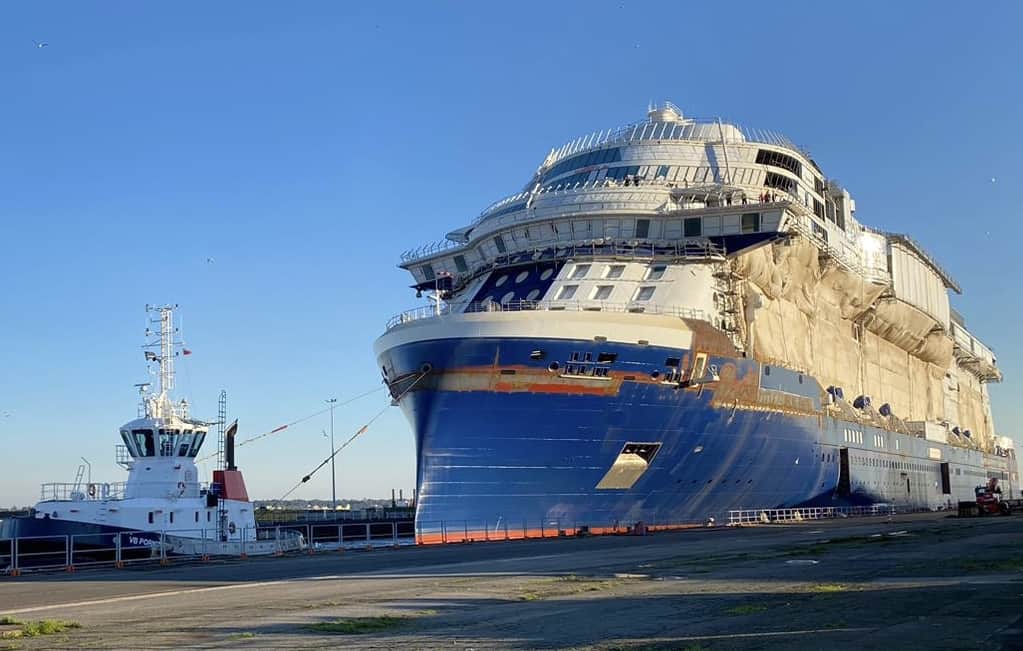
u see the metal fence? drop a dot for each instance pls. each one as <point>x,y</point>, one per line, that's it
<point>778,516</point>
<point>119,549</point>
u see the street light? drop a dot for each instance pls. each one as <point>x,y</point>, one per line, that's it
<point>333,477</point>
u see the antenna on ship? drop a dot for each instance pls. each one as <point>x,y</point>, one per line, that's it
<point>160,406</point>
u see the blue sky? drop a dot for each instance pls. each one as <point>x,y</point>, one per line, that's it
<point>303,146</point>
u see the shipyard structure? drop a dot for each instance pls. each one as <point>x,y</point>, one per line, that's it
<point>678,318</point>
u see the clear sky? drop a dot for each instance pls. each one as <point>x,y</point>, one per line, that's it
<point>303,146</point>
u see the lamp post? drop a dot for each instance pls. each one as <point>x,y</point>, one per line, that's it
<point>333,477</point>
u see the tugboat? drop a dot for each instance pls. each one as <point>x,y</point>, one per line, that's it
<point>163,503</point>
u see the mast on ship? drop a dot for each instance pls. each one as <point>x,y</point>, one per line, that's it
<point>161,351</point>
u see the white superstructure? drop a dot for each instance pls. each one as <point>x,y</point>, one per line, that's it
<point>740,228</point>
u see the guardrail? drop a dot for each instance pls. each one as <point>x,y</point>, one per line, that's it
<point>635,307</point>
<point>777,516</point>
<point>72,492</point>
<point>122,548</point>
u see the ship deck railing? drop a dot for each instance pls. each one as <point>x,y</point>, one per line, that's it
<point>739,517</point>
<point>104,491</point>
<point>694,248</point>
<point>80,492</point>
<point>636,307</point>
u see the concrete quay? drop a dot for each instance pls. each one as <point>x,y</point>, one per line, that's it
<point>913,581</point>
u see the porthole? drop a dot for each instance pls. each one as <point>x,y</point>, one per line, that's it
<point>500,281</point>
<point>547,273</point>
<point>553,366</point>
<point>533,293</point>
<point>655,374</point>
<point>522,276</point>
<point>507,298</point>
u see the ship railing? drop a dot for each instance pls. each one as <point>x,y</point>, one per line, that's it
<point>634,307</point>
<point>81,492</point>
<point>429,249</point>
<point>693,248</point>
<point>741,517</point>
<point>683,131</point>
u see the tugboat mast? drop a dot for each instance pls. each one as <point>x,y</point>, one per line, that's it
<point>160,405</point>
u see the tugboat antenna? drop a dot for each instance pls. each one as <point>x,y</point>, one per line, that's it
<point>165,358</point>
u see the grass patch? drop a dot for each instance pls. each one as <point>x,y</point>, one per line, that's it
<point>246,635</point>
<point>824,588</point>
<point>7,620</point>
<point>357,625</point>
<point>35,629</point>
<point>746,609</point>
<point>992,565</point>
<point>566,585</point>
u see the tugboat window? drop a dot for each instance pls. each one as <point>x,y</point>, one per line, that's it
<point>145,441</point>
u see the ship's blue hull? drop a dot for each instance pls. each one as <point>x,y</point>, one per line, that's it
<point>500,446</point>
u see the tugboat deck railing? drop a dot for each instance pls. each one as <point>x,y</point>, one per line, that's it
<point>105,491</point>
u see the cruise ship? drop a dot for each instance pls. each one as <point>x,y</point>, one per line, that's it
<point>676,319</point>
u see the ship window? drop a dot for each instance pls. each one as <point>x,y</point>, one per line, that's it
<point>427,271</point>
<point>150,517</point>
<point>778,159</point>
<point>614,271</point>
<point>567,292</point>
<point>662,172</point>
<point>607,357</point>
<point>196,516</point>
<point>547,273</point>
<point>522,276</point>
<point>780,182</point>
<point>145,441</point>
<point>172,517</point>
<point>507,298</point>
<point>672,361</point>
<point>767,370</point>
<point>129,443</point>
<point>644,294</point>
<point>580,271</point>
<point>499,243</point>
<point>460,263</point>
<point>197,443</point>
<point>602,292</point>
<point>818,208</point>
<point>533,293</point>
<point>655,272</point>
<point>208,518</point>
<point>751,222</point>
<point>693,227</point>
<point>502,280</point>
<point>642,228</point>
